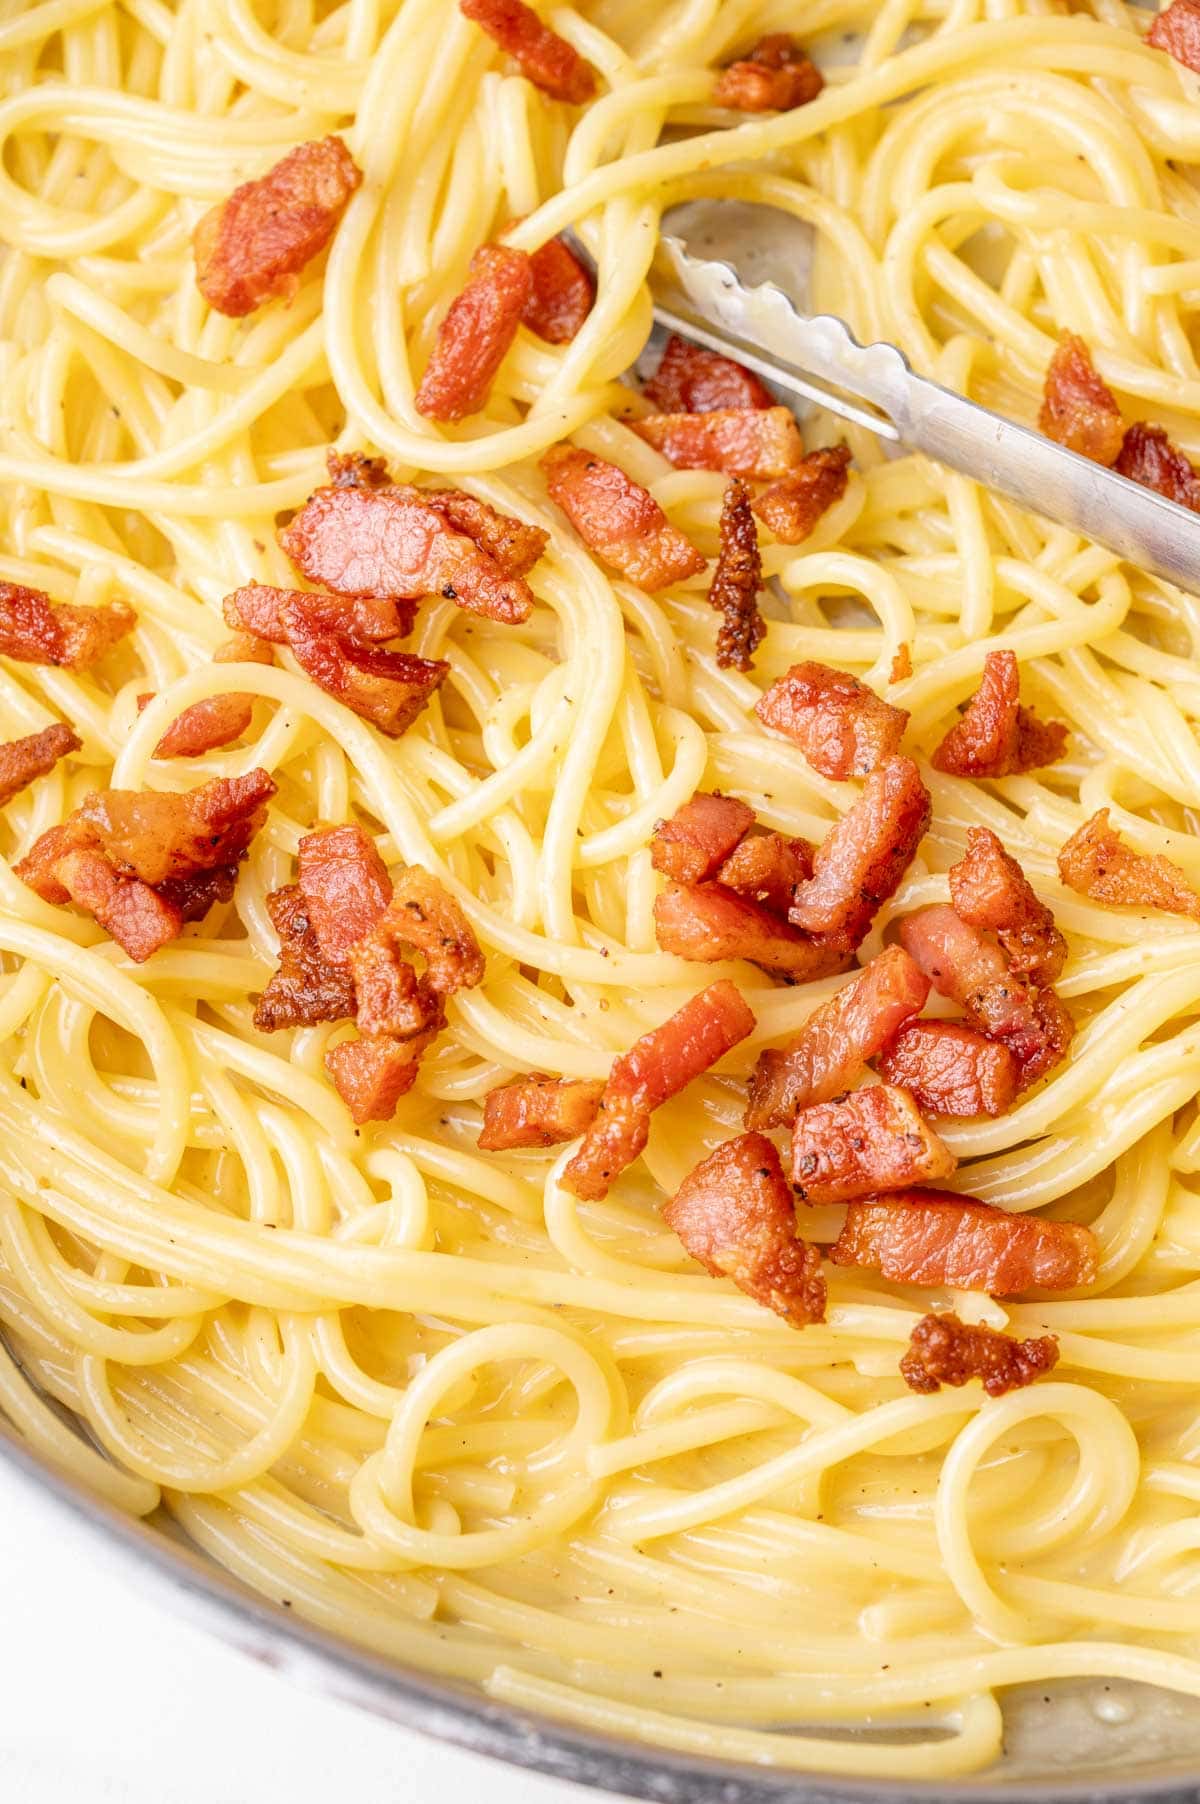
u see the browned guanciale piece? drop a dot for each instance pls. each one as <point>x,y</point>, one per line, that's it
<point>259,611</point>
<point>1177,31</point>
<point>306,988</point>
<point>423,915</point>
<point>840,725</point>
<point>760,442</point>
<point>690,379</point>
<point>372,1073</point>
<point>548,61</point>
<point>22,761</point>
<point>537,1111</point>
<point>699,836</point>
<point>36,630</point>
<point>388,688</point>
<point>836,1041</point>
<point>219,719</point>
<point>862,860</point>
<point>252,247</point>
<point>1149,457</point>
<point>934,1237</point>
<point>944,1350</point>
<point>990,890</point>
<point>1079,409</point>
<point>618,519</point>
<point>656,1067</point>
<point>513,544</point>
<point>345,886</point>
<point>355,470</point>
<point>706,922</point>
<point>562,293</point>
<point>132,913</point>
<point>792,506</point>
<point>996,737</point>
<point>1096,862</point>
<point>872,1140</point>
<point>475,335</point>
<point>734,1214</point>
<point>774,77</point>
<point>951,1069</point>
<point>902,665</point>
<point>767,868</point>
<point>737,581</point>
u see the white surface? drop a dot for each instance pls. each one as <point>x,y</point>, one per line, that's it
<point>105,1700</point>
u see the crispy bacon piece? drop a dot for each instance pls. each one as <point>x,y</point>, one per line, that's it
<point>990,890</point>
<point>548,61</point>
<point>656,1067</point>
<point>934,1237</point>
<point>355,470</point>
<point>345,885</point>
<point>742,441</point>
<point>706,922</point>
<point>692,380</point>
<point>196,893</point>
<point>372,1073</point>
<point>737,580</point>
<point>373,542</point>
<point>424,915</point>
<point>792,506</point>
<point>306,988</point>
<point>951,1069</point>
<point>130,912</point>
<point>390,996</point>
<point>944,1350</point>
<point>1177,31</point>
<point>699,836</point>
<point>252,247</point>
<point>388,688</point>
<point>1098,864</point>
<point>734,1214</point>
<point>836,1041</point>
<point>996,737</point>
<point>22,761</point>
<point>36,630</point>
<point>766,868</point>
<point>776,76</point>
<point>258,611</point>
<point>870,1141</point>
<point>840,725</point>
<point>902,665</point>
<point>537,1111</point>
<point>474,337</point>
<point>219,719</point>
<point>862,860</point>
<point>159,837</point>
<point>1079,409</point>
<point>1149,457</point>
<point>618,519</point>
<point>562,295</point>
<point>511,543</point>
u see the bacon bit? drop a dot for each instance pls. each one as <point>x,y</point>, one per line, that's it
<point>872,1140</point>
<point>390,997</point>
<point>944,1350</point>
<point>766,868</point>
<point>157,837</point>
<point>692,380</point>
<point>990,890</point>
<point>1149,457</point>
<point>734,1214</point>
<point>388,688</point>
<point>1098,864</point>
<point>219,719</point>
<point>840,725</point>
<point>194,895</point>
<point>996,737</point>
<point>373,542</point>
<point>563,293</point>
<point>791,507</point>
<point>537,1111</point>
<point>1079,409</point>
<point>951,1069</point>
<point>22,761</point>
<point>474,337</point>
<point>355,470</point>
<point>372,1073</point>
<point>424,915</point>
<point>862,860</point>
<point>345,885</point>
<point>36,630</point>
<point>902,664</point>
<point>306,988</point>
<point>618,519</point>
<point>130,912</point>
<point>737,580</point>
<point>706,922</point>
<point>699,836</point>
<point>252,247</point>
<point>742,441</point>
<point>512,544</point>
<point>776,76</point>
<point>934,1237</point>
<point>257,612</point>
<point>656,1067</point>
<point>837,1040</point>
<point>1177,31</point>
<point>547,60</point>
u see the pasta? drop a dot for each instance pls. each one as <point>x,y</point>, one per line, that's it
<point>421,1392</point>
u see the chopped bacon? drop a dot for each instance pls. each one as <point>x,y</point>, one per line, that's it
<point>424,915</point>
<point>36,630</point>
<point>742,441</point>
<point>692,380</point>
<point>934,1237</point>
<point>840,725</point>
<point>1149,457</point>
<point>538,1111</point>
<point>390,997</point>
<point>990,890</point>
<point>706,922</point>
<point>22,761</point>
<point>513,544</point>
<point>345,884</point>
<point>474,337</point>
<point>388,688</point>
<point>766,868</point>
<point>546,59</point>
<point>737,580</point>
<point>872,1140</point>
<point>734,1214</point>
<point>656,1067</point>
<point>372,542</point>
<point>996,737</point>
<point>862,860</point>
<point>699,836</point>
<point>1079,409</point>
<point>157,837</point>
<point>39,866</point>
<point>776,76</point>
<point>252,247</point>
<point>1095,862</point>
<point>306,988</point>
<point>792,506</point>
<point>951,1069</point>
<point>837,1040</point>
<point>219,719</point>
<point>196,893</point>
<point>902,664</point>
<point>258,611</point>
<point>618,519</point>
<point>372,1073</point>
<point>944,1350</point>
<point>1177,31</point>
<point>562,294</point>
<point>355,470</point>
<point>130,912</point>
